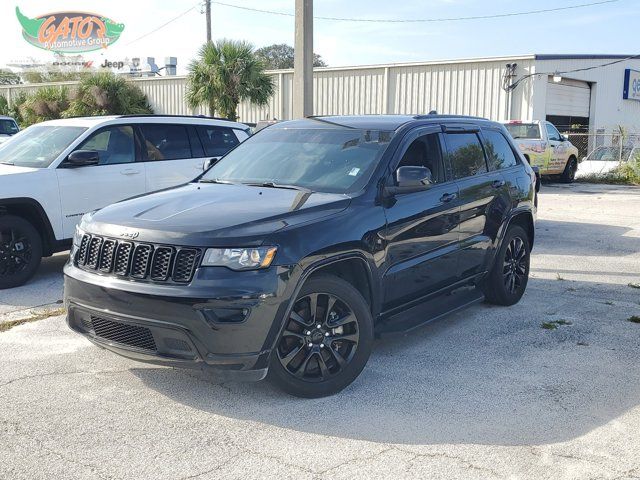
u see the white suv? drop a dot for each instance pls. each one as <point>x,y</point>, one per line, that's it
<point>54,172</point>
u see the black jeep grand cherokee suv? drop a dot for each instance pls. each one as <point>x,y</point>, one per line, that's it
<point>289,254</point>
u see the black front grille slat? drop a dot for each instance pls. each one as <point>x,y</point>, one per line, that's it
<point>93,254</point>
<point>140,261</point>
<point>131,335</point>
<point>123,257</point>
<point>186,260</point>
<point>106,255</point>
<point>161,263</point>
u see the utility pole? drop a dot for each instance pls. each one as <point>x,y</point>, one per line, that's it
<point>303,60</point>
<point>208,14</point>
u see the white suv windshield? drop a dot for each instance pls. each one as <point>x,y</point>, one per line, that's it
<point>38,146</point>
<point>337,160</point>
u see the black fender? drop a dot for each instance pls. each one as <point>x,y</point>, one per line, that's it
<point>36,215</point>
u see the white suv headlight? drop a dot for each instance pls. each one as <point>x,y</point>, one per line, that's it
<point>239,258</point>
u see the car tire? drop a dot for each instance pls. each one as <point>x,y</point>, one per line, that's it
<point>20,251</point>
<point>507,281</point>
<point>320,354</point>
<point>570,169</point>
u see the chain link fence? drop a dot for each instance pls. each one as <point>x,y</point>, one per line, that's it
<point>613,142</point>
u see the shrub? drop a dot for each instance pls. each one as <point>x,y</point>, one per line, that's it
<point>47,103</point>
<point>107,94</point>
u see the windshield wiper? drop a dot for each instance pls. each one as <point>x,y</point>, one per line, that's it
<point>217,180</point>
<point>280,185</point>
<point>7,163</point>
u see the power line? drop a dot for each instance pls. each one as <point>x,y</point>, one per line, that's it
<point>424,20</point>
<point>164,24</point>
<point>583,69</point>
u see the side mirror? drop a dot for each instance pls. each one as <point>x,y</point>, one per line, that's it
<point>411,179</point>
<point>564,138</point>
<point>83,158</point>
<point>210,162</point>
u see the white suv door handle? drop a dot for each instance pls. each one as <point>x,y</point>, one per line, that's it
<point>129,171</point>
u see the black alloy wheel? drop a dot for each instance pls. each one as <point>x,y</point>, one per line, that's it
<point>514,265</point>
<point>20,251</point>
<point>507,281</point>
<point>320,338</point>
<point>326,340</point>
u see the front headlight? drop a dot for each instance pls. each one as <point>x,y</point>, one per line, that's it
<point>239,258</point>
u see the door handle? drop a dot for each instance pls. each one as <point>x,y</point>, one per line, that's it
<point>129,171</point>
<point>498,183</point>
<point>447,197</point>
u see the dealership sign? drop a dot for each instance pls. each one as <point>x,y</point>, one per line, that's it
<point>631,89</point>
<point>69,32</point>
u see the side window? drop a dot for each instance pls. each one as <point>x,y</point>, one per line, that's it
<point>217,140</point>
<point>114,145</point>
<point>166,142</point>
<point>552,133</point>
<point>466,155</point>
<point>499,152</point>
<point>425,151</point>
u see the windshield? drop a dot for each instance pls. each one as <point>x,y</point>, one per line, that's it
<point>337,160</point>
<point>8,127</point>
<point>610,154</point>
<point>524,130</point>
<point>38,146</point>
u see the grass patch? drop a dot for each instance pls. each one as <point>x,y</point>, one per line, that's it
<point>628,173</point>
<point>5,326</point>
<point>634,319</point>
<point>553,325</point>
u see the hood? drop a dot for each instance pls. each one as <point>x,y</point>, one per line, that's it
<point>204,214</point>
<point>13,169</point>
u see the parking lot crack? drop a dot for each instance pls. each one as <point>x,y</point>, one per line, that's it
<point>470,465</point>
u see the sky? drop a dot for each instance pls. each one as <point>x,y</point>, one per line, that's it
<point>607,28</point>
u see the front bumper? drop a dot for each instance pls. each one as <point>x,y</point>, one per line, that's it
<point>225,321</point>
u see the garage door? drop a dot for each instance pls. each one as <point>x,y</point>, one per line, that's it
<point>570,98</point>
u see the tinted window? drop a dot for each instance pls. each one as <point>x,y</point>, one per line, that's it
<point>466,154</point>
<point>322,159</point>
<point>196,146</point>
<point>166,142</point>
<point>113,144</point>
<point>552,133</point>
<point>8,127</point>
<point>217,140</point>
<point>425,151</point>
<point>499,152</point>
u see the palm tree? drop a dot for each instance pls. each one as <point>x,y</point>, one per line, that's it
<point>224,74</point>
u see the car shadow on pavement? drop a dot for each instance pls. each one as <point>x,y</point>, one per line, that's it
<point>486,375</point>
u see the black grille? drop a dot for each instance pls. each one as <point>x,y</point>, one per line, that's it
<point>106,256</point>
<point>82,251</point>
<point>185,263</point>
<point>94,252</point>
<point>143,261</point>
<point>123,256</point>
<point>140,262</point>
<point>161,265</point>
<point>132,335</point>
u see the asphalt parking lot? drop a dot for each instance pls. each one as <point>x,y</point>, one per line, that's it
<point>549,388</point>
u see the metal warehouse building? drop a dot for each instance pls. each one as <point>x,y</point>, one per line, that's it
<point>588,94</point>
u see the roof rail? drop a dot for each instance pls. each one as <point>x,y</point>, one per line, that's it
<point>143,115</point>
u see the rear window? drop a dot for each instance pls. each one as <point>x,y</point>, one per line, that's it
<point>8,127</point>
<point>166,142</point>
<point>524,130</point>
<point>217,140</point>
<point>499,152</point>
<point>466,155</point>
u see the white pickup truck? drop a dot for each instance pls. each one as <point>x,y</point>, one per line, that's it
<point>544,147</point>
<point>54,172</point>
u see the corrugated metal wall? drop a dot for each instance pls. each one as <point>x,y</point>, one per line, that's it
<point>461,87</point>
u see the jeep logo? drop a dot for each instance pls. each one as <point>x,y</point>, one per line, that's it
<point>131,235</point>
